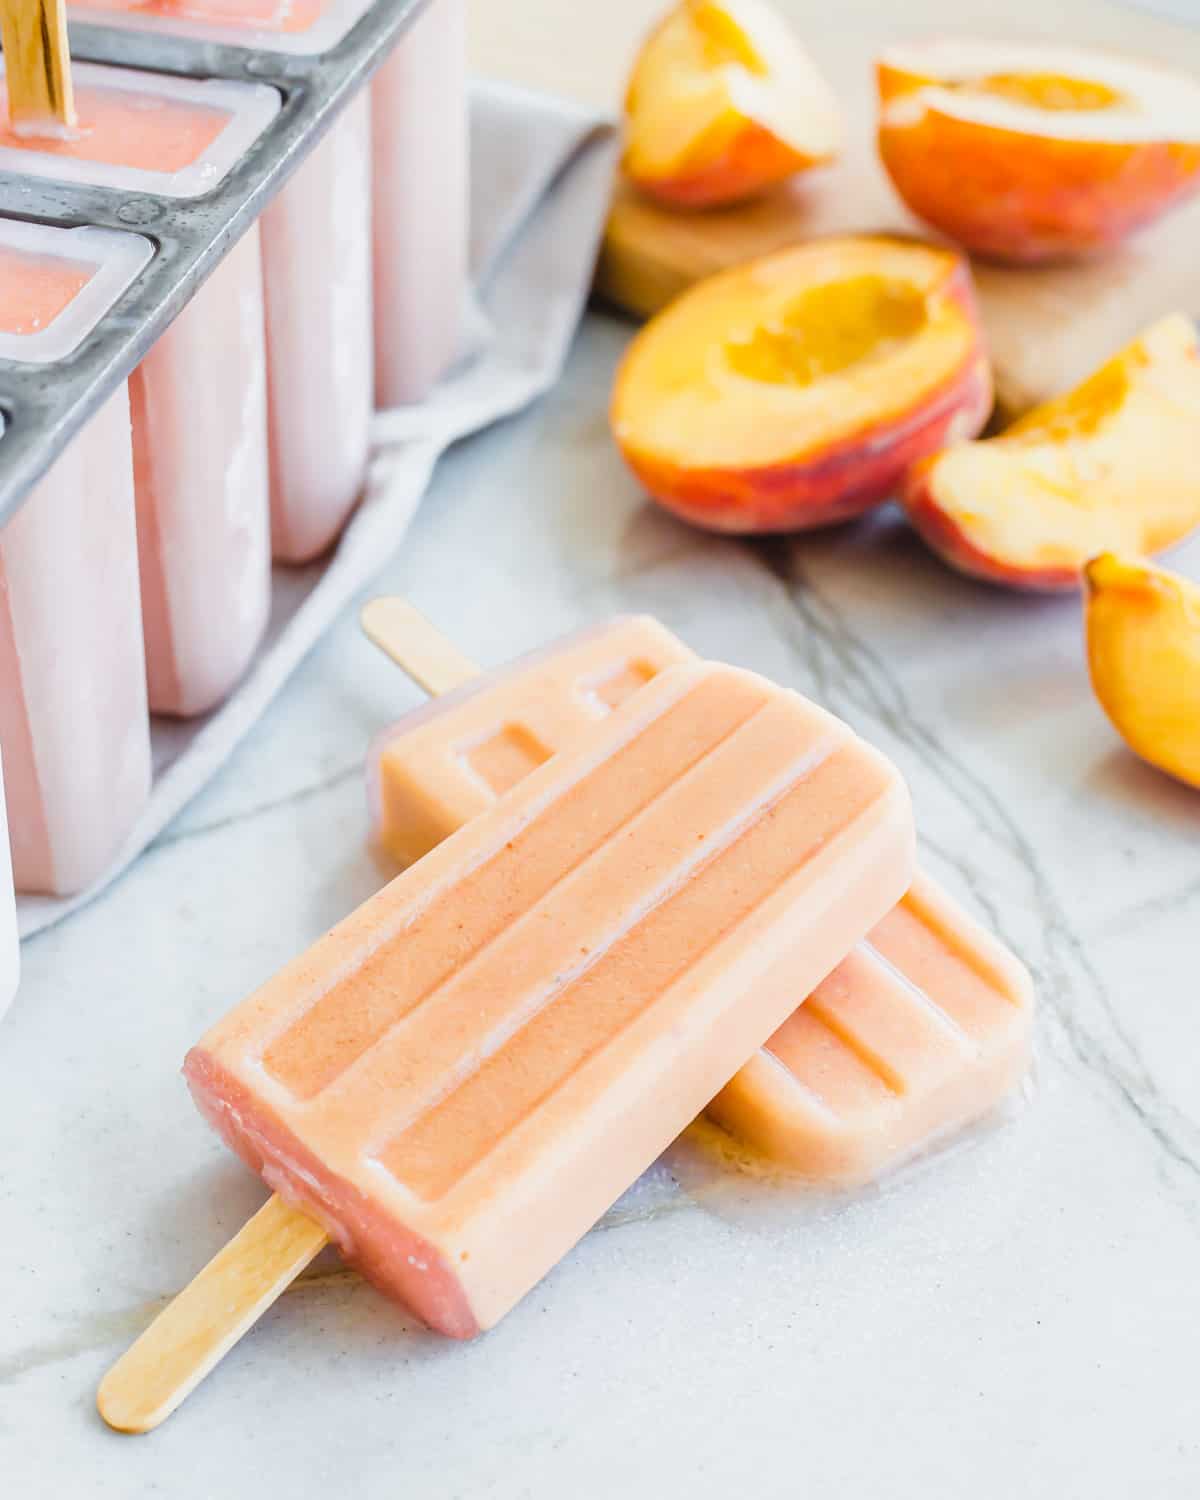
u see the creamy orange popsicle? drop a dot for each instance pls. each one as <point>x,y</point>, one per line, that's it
<point>462,1076</point>
<point>922,1029</point>
<point>447,761</point>
<point>925,1027</point>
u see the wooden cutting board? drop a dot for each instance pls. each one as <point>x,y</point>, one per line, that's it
<point>1047,328</point>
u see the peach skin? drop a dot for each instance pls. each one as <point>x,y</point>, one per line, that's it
<point>723,103</point>
<point>1143,645</point>
<point>795,391</point>
<point>1028,153</point>
<point>1113,464</point>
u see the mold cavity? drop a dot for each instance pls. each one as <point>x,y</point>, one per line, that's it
<point>505,758</point>
<point>34,289</point>
<point>828,329</point>
<point>609,691</point>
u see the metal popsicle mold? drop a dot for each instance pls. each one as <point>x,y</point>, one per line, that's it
<point>43,406</point>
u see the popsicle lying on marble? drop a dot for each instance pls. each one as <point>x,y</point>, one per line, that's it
<point>923,1028</point>
<point>515,1027</point>
<point>459,1078</point>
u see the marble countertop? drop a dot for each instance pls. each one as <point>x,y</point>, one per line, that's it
<point>1016,1316</point>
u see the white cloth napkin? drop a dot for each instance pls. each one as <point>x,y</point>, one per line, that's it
<point>540,175</point>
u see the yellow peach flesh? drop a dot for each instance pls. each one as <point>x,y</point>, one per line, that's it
<point>722,87</point>
<point>753,367</point>
<point>1143,639</point>
<point>828,329</point>
<point>1048,91</point>
<point>1113,464</point>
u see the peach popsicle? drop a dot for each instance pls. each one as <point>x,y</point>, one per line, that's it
<point>316,264</point>
<point>73,718</point>
<point>198,400</point>
<point>923,1028</point>
<point>516,1026</point>
<point>459,1078</point>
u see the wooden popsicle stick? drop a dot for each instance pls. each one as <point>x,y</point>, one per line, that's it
<point>37,65</point>
<point>200,1326</point>
<point>416,646</point>
<point>195,1331</point>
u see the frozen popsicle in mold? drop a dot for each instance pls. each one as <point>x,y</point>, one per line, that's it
<point>923,1028</point>
<point>10,948</point>
<point>198,399</point>
<point>316,252</point>
<point>73,720</point>
<point>459,1078</point>
<point>317,274</point>
<point>142,132</point>
<point>419,128</point>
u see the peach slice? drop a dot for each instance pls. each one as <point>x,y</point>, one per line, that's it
<point>1113,464</point>
<point>1143,642</point>
<point>1029,152</point>
<point>796,390</point>
<point>723,102</point>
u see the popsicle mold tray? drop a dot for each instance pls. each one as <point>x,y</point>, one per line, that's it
<point>252,103</point>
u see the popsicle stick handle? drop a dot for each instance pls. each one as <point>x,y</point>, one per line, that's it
<point>416,646</point>
<point>37,64</point>
<point>199,1327</point>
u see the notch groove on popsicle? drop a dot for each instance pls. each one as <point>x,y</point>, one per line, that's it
<point>37,66</point>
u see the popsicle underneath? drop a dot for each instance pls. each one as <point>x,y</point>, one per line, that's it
<point>462,1076</point>
<point>924,1028</point>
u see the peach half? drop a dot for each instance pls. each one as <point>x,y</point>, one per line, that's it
<point>1143,645</point>
<point>723,103</point>
<point>1028,153</point>
<point>795,391</point>
<point>1112,465</point>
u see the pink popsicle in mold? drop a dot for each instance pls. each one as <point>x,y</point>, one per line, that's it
<point>10,948</point>
<point>198,400</point>
<point>420,126</point>
<point>73,719</point>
